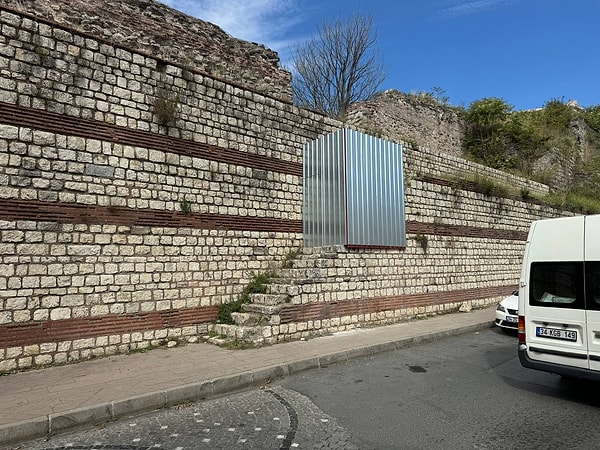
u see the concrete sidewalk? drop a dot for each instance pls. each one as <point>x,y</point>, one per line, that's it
<point>48,401</point>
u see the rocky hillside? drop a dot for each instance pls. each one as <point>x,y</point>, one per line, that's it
<point>158,30</point>
<point>413,119</point>
<point>559,158</point>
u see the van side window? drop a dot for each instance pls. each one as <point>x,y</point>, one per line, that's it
<point>592,284</point>
<point>556,284</point>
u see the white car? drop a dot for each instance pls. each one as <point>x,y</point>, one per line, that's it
<point>507,312</point>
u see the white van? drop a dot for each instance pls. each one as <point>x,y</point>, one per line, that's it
<point>559,297</point>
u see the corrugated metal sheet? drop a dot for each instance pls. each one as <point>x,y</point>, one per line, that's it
<point>353,191</point>
<point>324,204</point>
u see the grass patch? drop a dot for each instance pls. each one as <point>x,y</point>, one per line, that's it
<point>489,187</point>
<point>186,206</point>
<point>573,202</point>
<point>525,194</point>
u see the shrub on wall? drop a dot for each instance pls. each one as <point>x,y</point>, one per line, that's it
<point>486,138</point>
<point>591,116</point>
<point>165,108</point>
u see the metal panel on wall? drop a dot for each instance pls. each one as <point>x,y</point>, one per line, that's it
<point>324,202</point>
<point>353,191</point>
<point>375,184</point>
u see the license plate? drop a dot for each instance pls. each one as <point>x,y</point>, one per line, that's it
<point>555,333</point>
<point>511,319</point>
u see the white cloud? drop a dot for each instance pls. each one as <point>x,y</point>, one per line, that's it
<point>462,8</point>
<point>268,22</point>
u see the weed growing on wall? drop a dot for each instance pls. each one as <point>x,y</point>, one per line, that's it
<point>573,202</point>
<point>423,241</point>
<point>525,194</point>
<point>186,207</point>
<point>225,310</point>
<point>437,96</point>
<point>489,187</point>
<point>288,261</point>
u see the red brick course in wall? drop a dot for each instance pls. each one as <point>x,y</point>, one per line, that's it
<point>32,333</point>
<point>437,229</point>
<point>91,129</point>
<point>13,209</point>
<point>320,311</point>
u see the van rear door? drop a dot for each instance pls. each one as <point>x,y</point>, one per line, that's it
<point>592,288</point>
<point>555,316</point>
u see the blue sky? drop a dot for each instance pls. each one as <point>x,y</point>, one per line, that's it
<point>524,51</point>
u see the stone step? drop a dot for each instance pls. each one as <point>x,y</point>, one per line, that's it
<point>264,310</point>
<point>301,264</point>
<point>297,281</point>
<point>276,298</point>
<point>250,319</point>
<point>288,274</point>
<point>254,324</point>
<point>252,335</point>
<point>224,330</point>
<point>285,291</point>
<point>310,271</point>
<point>330,251</point>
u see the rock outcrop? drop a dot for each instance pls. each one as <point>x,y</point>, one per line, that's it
<point>416,120</point>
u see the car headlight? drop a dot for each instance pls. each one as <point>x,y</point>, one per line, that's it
<point>500,308</point>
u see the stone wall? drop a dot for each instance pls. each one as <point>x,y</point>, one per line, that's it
<point>155,29</point>
<point>422,161</point>
<point>119,230</point>
<point>122,227</point>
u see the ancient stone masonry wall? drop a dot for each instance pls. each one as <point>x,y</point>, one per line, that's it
<point>464,250</point>
<point>137,196</point>
<point>458,241</point>
<point>153,28</point>
<point>116,230</point>
<point>422,161</point>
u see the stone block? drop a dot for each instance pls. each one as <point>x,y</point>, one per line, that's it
<point>77,418</point>
<point>15,433</point>
<point>234,382</point>
<point>139,403</point>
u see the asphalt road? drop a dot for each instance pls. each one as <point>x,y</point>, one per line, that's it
<point>465,392</point>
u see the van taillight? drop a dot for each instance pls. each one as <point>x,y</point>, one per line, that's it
<point>521,329</point>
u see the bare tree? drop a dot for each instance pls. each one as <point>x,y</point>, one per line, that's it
<point>338,67</point>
